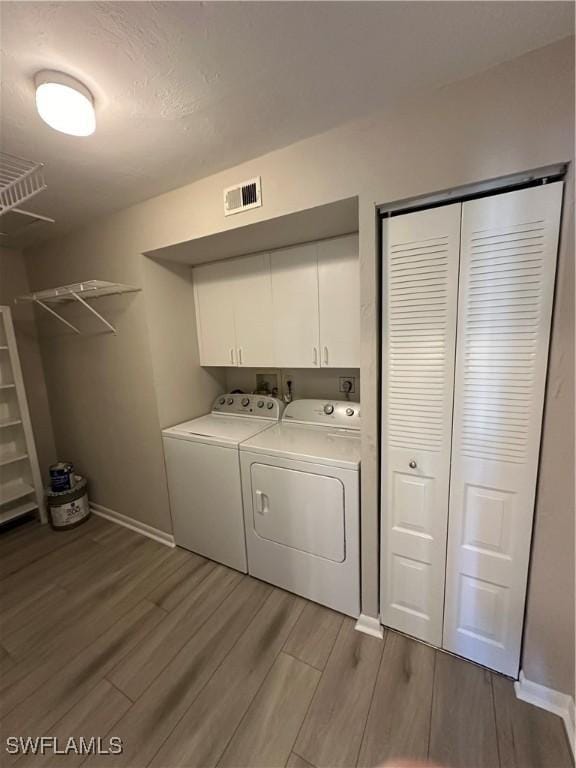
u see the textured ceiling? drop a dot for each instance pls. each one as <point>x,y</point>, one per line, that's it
<point>184,89</point>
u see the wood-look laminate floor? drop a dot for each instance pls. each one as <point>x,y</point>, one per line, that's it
<point>106,633</point>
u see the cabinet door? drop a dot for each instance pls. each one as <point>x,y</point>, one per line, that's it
<point>507,270</point>
<point>339,300</point>
<point>295,298</point>
<point>420,278</point>
<point>253,311</point>
<point>214,294</point>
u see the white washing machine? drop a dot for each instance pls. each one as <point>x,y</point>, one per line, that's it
<point>203,468</point>
<point>300,483</point>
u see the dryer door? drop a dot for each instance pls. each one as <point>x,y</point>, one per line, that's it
<point>299,510</point>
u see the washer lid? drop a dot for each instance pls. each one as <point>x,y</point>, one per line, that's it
<point>217,430</point>
<point>320,445</point>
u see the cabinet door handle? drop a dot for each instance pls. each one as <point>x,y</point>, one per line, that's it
<point>315,356</point>
<point>325,355</point>
<point>231,355</point>
<point>239,355</point>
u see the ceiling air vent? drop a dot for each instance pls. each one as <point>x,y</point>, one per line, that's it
<point>242,197</point>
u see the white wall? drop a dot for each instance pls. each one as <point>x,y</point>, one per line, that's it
<point>184,390</point>
<point>514,117</point>
<point>306,382</point>
<point>549,632</point>
<point>101,386</point>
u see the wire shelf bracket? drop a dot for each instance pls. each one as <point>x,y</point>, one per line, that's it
<point>78,292</point>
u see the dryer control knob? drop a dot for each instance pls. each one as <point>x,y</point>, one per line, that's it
<point>230,401</point>
<point>260,403</point>
<point>270,406</point>
<point>245,401</point>
<point>349,411</point>
<point>328,409</point>
<point>222,400</point>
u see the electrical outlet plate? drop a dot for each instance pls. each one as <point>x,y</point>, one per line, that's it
<point>343,381</point>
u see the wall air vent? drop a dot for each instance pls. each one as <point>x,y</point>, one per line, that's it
<point>242,197</point>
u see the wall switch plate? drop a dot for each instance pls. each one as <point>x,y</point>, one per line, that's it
<point>347,384</point>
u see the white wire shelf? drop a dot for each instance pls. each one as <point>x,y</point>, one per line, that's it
<point>79,292</point>
<point>88,288</point>
<point>20,180</point>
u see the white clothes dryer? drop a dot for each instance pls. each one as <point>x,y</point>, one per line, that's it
<point>300,484</point>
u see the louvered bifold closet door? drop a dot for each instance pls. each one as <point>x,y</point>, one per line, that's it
<point>420,275</point>
<point>507,269</point>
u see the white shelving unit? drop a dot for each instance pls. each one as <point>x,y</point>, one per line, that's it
<point>78,292</point>
<point>21,488</point>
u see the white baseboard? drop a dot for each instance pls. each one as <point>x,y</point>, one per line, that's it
<point>547,698</point>
<point>134,525</point>
<point>370,625</point>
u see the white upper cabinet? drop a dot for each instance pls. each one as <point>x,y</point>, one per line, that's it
<point>253,310</point>
<point>214,295</point>
<point>294,308</point>
<point>339,302</point>
<point>234,311</point>
<point>295,299</point>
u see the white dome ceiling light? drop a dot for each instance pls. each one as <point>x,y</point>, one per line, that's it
<point>65,103</point>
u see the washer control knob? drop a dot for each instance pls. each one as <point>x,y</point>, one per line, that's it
<point>222,400</point>
<point>328,409</point>
<point>245,401</point>
<point>270,405</point>
<point>230,401</point>
<point>412,464</point>
<point>349,411</point>
<point>260,403</point>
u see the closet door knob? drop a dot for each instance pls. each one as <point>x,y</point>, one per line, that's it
<point>412,464</point>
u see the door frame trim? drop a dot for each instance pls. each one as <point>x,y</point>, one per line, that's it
<point>537,176</point>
